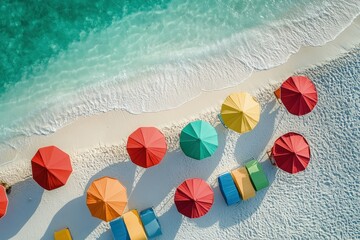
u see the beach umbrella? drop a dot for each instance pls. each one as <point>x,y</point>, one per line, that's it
<point>51,167</point>
<point>3,201</point>
<point>146,146</point>
<point>291,152</point>
<point>106,198</point>
<point>194,198</point>
<point>198,140</point>
<point>240,112</point>
<point>299,95</point>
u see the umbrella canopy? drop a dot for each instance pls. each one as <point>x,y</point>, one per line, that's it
<point>106,198</point>
<point>146,146</point>
<point>198,140</point>
<point>3,201</point>
<point>240,112</point>
<point>51,167</point>
<point>299,95</point>
<point>291,152</point>
<point>194,198</point>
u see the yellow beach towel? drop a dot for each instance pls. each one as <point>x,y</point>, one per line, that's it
<point>134,225</point>
<point>243,183</point>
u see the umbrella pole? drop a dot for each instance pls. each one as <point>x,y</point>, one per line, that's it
<point>270,157</point>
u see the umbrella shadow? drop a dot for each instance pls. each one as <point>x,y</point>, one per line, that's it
<point>245,209</point>
<point>145,188</point>
<point>106,235</point>
<point>227,216</point>
<point>24,199</point>
<point>75,213</point>
<point>170,222</point>
<point>250,144</point>
<point>125,172</point>
<point>156,182</point>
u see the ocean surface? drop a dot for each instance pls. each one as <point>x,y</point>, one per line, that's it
<point>65,59</point>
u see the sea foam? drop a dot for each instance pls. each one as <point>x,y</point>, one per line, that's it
<point>162,79</point>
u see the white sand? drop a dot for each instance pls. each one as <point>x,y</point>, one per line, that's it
<point>318,199</point>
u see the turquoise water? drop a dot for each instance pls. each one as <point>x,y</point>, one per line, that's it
<point>64,59</point>
<point>35,31</point>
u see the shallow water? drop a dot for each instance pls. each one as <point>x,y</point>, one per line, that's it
<point>63,59</point>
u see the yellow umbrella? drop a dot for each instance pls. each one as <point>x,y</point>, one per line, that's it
<point>240,112</point>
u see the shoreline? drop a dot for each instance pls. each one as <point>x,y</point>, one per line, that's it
<point>111,129</point>
<point>85,85</point>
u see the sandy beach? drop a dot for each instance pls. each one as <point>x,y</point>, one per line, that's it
<point>112,128</point>
<point>327,192</point>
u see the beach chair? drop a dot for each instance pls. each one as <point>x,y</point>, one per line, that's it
<point>257,175</point>
<point>268,153</point>
<point>63,234</point>
<point>134,225</point>
<point>243,183</point>
<point>151,223</point>
<point>228,189</point>
<point>118,229</point>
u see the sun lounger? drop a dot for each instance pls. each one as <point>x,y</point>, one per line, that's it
<point>243,183</point>
<point>119,230</point>
<point>257,175</point>
<point>63,234</point>
<point>151,223</point>
<point>228,189</point>
<point>134,226</point>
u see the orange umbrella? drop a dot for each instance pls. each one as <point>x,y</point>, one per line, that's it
<point>106,198</point>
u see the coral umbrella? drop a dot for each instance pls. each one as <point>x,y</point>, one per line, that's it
<point>146,146</point>
<point>240,112</point>
<point>291,152</point>
<point>299,95</point>
<point>106,198</point>
<point>3,201</point>
<point>198,140</point>
<point>194,198</point>
<point>51,167</point>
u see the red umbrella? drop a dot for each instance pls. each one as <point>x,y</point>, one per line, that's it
<point>299,95</point>
<point>291,152</point>
<point>194,198</point>
<point>146,146</point>
<point>51,167</point>
<point>3,201</point>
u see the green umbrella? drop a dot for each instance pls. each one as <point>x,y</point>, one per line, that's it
<point>199,140</point>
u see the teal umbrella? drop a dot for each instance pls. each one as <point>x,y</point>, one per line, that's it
<point>199,140</point>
